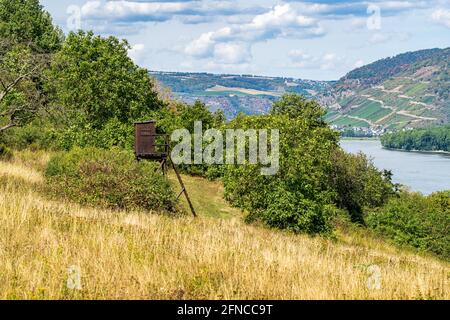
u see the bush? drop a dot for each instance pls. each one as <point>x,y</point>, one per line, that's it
<point>109,178</point>
<point>186,117</point>
<point>359,184</point>
<point>113,134</point>
<point>34,136</point>
<point>296,198</point>
<point>5,153</point>
<point>415,220</point>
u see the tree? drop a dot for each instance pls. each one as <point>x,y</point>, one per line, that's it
<point>298,196</point>
<point>25,22</point>
<point>425,139</point>
<point>27,38</point>
<point>20,98</point>
<point>359,184</point>
<point>297,106</point>
<point>92,80</point>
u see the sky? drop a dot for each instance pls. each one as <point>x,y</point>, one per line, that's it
<point>308,39</point>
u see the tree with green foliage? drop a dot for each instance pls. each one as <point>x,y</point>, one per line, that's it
<point>27,38</point>
<point>297,106</point>
<point>20,97</point>
<point>184,116</point>
<point>425,139</point>
<point>415,220</point>
<point>315,175</point>
<point>94,83</point>
<point>299,196</point>
<point>359,184</point>
<point>26,22</point>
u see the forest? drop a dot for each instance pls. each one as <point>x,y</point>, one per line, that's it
<point>425,139</point>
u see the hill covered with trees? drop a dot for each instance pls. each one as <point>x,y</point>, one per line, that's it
<point>409,90</point>
<point>427,139</point>
<point>384,69</point>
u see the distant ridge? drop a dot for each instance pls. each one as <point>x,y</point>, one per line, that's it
<point>381,70</point>
<point>405,91</point>
<point>232,93</point>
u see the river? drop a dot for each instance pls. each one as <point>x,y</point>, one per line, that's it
<point>423,172</point>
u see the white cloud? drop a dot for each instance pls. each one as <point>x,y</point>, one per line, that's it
<point>357,8</point>
<point>232,53</point>
<point>357,24</point>
<point>228,68</point>
<point>442,16</point>
<point>329,61</point>
<point>280,21</point>
<point>201,47</point>
<point>133,11</point>
<point>129,11</point>
<point>137,52</point>
<point>301,59</point>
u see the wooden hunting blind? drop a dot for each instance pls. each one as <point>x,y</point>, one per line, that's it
<point>152,146</point>
<point>148,144</point>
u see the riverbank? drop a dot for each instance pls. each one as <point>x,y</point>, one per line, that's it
<point>419,151</point>
<point>360,138</point>
<point>394,149</point>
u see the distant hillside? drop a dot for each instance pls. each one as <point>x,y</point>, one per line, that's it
<point>409,90</point>
<point>406,91</point>
<point>383,69</point>
<point>238,93</point>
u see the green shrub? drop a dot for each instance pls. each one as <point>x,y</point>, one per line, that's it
<point>415,220</point>
<point>109,178</point>
<point>34,136</point>
<point>297,196</point>
<point>5,153</point>
<point>359,184</point>
<point>113,134</point>
<point>186,117</point>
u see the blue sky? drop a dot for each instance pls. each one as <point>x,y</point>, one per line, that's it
<point>309,39</point>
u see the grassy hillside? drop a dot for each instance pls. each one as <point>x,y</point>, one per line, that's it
<point>408,90</point>
<point>125,254</point>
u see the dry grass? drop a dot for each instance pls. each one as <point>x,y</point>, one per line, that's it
<point>127,255</point>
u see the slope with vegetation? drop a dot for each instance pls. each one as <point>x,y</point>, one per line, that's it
<point>86,202</point>
<point>130,254</point>
<point>27,41</point>
<point>406,91</point>
<point>237,93</point>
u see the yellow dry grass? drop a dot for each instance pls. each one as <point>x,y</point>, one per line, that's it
<point>136,255</point>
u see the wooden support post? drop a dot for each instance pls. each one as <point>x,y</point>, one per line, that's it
<point>183,190</point>
<point>162,166</point>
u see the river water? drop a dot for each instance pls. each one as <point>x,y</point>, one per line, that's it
<point>424,172</point>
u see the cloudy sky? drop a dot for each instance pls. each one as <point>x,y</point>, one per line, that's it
<point>310,39</point>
